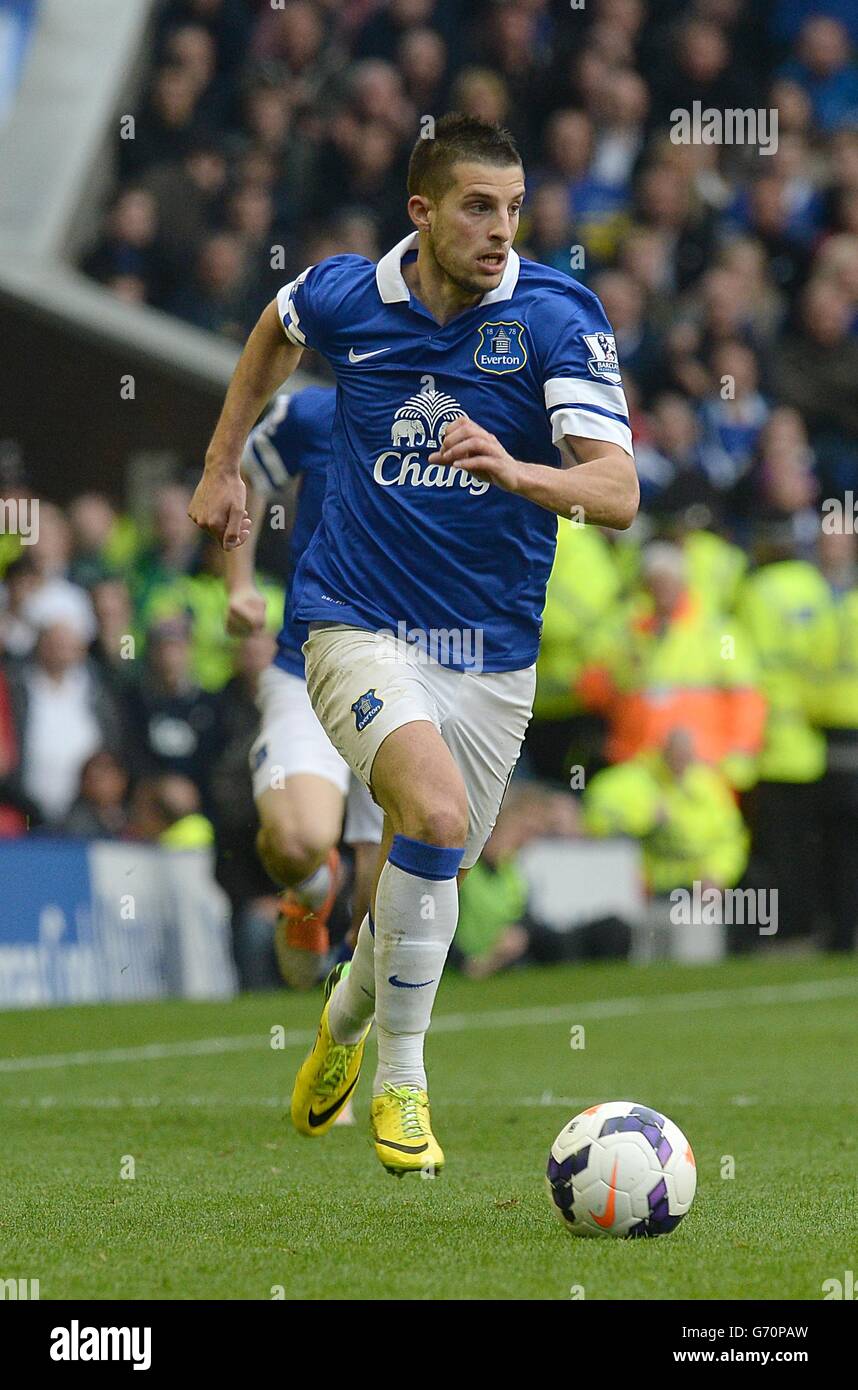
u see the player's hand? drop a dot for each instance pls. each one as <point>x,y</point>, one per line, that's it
<point>246,612</point>
<point>218,506</point>
<point>468,446</point>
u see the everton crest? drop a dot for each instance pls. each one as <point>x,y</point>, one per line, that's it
<point>501,348</point>
<point>365,708</point>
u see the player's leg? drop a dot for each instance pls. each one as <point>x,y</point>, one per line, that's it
<point>416,780</point>
<point>369,693</point>
<point>353,1001</point>
<point>469,706</point>
<point>299,784</point>
<point>322,1091</point>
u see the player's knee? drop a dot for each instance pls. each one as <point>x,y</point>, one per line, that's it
<point>292,852</point>
<point>441,823</point>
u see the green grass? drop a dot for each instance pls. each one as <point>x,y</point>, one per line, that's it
<point>227,1202</point>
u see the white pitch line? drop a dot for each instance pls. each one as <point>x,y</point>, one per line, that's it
<point>805,991</point>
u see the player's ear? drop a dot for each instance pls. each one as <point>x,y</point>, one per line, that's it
<point>418,210</point>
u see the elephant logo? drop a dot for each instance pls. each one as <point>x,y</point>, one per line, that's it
<point>407,431</point>
<point>423,419</point>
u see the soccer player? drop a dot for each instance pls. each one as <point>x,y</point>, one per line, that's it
<point>479,397</point>
<point>300,782</point>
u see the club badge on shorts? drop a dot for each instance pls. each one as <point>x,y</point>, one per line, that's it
<point>365,708</point>
<point>501,348</point>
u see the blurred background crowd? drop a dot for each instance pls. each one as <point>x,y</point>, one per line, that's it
<point>698,684</point>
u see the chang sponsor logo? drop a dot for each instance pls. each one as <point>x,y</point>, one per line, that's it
<point>418,428</point>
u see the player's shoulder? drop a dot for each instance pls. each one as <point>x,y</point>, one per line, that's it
<point>554,293</point>
<point>338,277</point>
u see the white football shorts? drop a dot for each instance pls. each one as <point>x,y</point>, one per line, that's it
<point>291,741</point>
<point>363,685</point>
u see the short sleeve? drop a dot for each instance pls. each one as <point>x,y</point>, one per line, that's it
<point>315,303</point>
<point>296,309</point>
<point>581,375</point>
<point>273,449</point>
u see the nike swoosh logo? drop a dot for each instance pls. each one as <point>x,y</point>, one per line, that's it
<point>404,1148</point>
<point>362,356</point>
<point>406,984</point>
<point>608,1219</point>
<point>316,1120</point>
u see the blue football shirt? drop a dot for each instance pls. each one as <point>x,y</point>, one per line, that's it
<point>421,548</point>
<point>294,440</point>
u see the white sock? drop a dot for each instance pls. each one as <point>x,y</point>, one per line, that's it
<point>415,922</point>
<point>352,1003</point>
<point>314,890</point>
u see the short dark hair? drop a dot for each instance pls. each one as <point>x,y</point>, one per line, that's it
<point>456,138</point>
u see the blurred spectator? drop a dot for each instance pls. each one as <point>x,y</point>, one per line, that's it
<point>173,547</point>
<point>597,207</point>
<point>683,812</point>
<point>735,412</point>
<point>63,714</point>
<point>99,811</point>
<point>786,607</point>
<point>239,869</point>
<point>115,647</point>
<point>165,810</point>
<point>201,599</point>
<point>678,465</point>
<point>422,60</point>
<point>835,706</point>
<point>130,248</point>
<point>173,722</point>
<point>481,93</point>
<point>187,194</point>
<point>583,593</point>
<point>42,594</point>
<point>218,295</point>
<point>164,127</point>
<point>667,663</point>
<point>781,484</point>
<point>666,201</point>
<point>21,583</point>
<point>825,68</point>
<point>815,370</point>
<point>551,238</point>
<point>689,827</point>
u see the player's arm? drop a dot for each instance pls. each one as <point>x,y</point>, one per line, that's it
<point>268,358</point>
<point>247,606</point>
<point>603,490</point>
<point>265,472</point>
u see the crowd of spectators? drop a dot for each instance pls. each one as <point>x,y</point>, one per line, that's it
<point>269,136</point>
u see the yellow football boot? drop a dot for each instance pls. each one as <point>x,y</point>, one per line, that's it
<point>402,1132</point>
<point>328,1075</point>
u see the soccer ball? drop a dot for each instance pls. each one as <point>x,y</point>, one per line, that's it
<point>621,1169</point>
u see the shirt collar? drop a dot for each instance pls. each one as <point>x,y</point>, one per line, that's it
<point>393,289</point>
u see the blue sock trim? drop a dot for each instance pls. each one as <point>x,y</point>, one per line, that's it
<point>371,923</point>
<point>424,861</point>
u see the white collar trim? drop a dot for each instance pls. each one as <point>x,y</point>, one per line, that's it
<point>393,289</point>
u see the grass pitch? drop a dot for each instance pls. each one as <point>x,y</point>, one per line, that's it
<point>754,1059</point>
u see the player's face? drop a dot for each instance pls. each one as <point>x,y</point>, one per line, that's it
<point>473,225</point>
